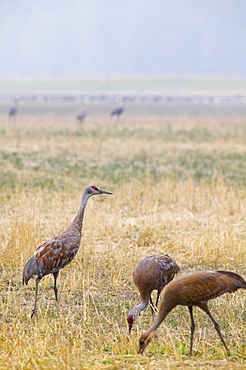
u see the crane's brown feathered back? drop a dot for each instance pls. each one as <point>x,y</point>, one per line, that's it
<point>154,272</point>
<point>193,287</point>
<point>200,286</point>
<point>237,279</point>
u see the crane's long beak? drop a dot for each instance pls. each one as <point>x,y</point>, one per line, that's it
<point>142,347</point>
<point>143,344</point>
<point>130,325</point>
<point>105,192</point>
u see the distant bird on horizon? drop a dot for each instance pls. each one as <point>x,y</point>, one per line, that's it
<point>13,109</point>
<point>58,252</point>
<point>81,115</point>
<point>194,289</point>
<point>117,111</point>
<point>151,273</point>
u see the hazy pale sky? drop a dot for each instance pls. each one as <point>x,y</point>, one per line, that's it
<point>87,38</point>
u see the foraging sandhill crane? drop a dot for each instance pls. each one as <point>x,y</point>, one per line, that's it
<point>59,251</point>
<point>117,111</point>
<point>194,289</point>
<point>81,115</point>
<point>151,273</point>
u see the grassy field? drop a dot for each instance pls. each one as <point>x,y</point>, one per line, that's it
<point>178,174</point>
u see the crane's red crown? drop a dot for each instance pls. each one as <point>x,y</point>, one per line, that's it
<point>95,188</point>
<point>130,320</point>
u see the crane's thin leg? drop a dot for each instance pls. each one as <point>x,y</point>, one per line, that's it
<point>152,306</point>
<point>192,328</point>
<point>157,298</point>
<point>205,308</point>
<point>34,311</point>
<point>55,274</point>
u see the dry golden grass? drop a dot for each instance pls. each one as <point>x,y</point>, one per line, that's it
<point>159,206</point>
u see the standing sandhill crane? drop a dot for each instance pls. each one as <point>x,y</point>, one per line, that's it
<point>81,115</point>
<point>151,273</point>
<point>194,289</point>
<point>117,111</point>
<point>13,109</point>
<point>59,251</point>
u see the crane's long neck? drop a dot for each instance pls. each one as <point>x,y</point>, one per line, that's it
<point>162,314</point>
<point>135,312</point>
<point>78,219</point>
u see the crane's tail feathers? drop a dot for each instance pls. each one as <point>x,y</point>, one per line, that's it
<point>29,270</point>
<point>237,279</point>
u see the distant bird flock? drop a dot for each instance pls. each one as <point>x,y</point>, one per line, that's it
<point>116,112</point>
<point>155,272</point>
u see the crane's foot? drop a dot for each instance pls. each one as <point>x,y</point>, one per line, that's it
<point>34,313</point>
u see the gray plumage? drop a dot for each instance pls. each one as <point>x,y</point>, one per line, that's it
<point>81,115</point>
<point>13,109</point>
<point>30,269</point>
<point>117,111</point>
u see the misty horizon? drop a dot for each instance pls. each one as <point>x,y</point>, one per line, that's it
<point>93,38</point>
